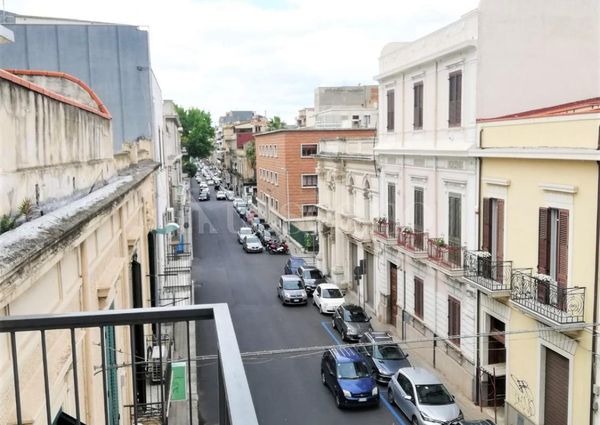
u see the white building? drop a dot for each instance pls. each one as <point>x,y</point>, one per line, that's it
<point>428,186</point>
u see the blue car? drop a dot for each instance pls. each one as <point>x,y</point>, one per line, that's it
<point>291,266</point>
<point>345,372</point>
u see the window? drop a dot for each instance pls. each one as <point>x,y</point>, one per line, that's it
<point>454,320</point>
<point>454,99</point>
<point>391,201</point>
<point>276,205</point>
<point>493,227</point>
<point>308,150</point>
<point>418,209</point>
<point>277,179</point>
<point>390,110</point>
<point>309,180</point>
<point>553,244</point>
<point>309,211</point>
<point>418,297</point>
<point>275,148</point>
<point>454,228</point>
<point>418,106</point>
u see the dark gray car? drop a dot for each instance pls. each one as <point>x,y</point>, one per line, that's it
<point>290,290</point>
<point>351,322</point>
<point>311,277</point>
<point>384,357</point>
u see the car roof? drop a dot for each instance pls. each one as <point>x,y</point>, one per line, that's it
<point>245,228</point>
<point>289,277</point>
<point>296,259</point>
<point>420,376</point>
<point>379,336</point>
<point>307,267</point>
<point>346,354</point>
<point>329,286</point>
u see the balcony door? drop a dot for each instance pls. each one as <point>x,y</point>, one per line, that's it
<point>454,227</point>
<point>391,208</point>
<point>418,218</point>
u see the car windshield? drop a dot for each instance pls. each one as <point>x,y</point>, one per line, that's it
<point>332,293</point>
<point>245,231</point>
<point>296,262</point>
<point>355,316</point>
<point>252,239</point>
<point>292,284</point>
<point>312,274</point>
<point>388,352</point>
<point>352,370</point>
<point>435,394</point>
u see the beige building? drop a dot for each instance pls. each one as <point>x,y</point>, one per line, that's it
<point>537,270</point>
<point>79,242</point>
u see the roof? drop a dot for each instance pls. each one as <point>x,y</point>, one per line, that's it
<point>328,286</point>
<point>243,138</point>
<point>13,75</point>
<point>420,376</point>
<point>313,129</point>
<point>586,106</point>
<point>346,354</point>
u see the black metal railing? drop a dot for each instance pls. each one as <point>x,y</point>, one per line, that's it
<point>484,271</point>
<point>111,328</point>
<point>547,298</point>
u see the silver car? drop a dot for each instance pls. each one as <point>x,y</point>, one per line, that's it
<point>422,397</point>
<point>252,244</point>
<point>243,233</point>
<point>290,290</point>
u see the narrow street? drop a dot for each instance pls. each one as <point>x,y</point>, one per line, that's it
<point>286,389</point>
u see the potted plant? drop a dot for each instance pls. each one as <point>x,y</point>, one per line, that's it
<point>440,242</point>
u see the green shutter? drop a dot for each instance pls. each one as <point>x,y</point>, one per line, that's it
<point>111,375</point>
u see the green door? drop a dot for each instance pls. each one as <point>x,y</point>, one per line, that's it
<point>111,375</point>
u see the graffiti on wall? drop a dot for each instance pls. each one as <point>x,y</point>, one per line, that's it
<point>523,395</point>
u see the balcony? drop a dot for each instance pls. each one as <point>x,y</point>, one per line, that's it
<point>547,301</point>
<point>117,352</point>
<point>326,215</point>
<point>351,147</point>
<point>362,229</point>
<point>413,242</point>
<point>347,223</point>
<point>490,276</point>
<point>444,257</point>
<point>385,229</point>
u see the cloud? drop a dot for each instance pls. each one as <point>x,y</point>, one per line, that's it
<point>261,55</point>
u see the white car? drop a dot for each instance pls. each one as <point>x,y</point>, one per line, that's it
<point>327,297</point>
<point>230,195</point>
<point>221,196</point>
<point>210,182</point>
<point>243,233</point>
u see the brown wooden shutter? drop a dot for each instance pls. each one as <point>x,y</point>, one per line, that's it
<point>543,241</point>
<point>451,100</point>
<point>454,319</point>
<point>562,261</point>
<point>418,297</point>
<point>500,230</point>
<point>485,244</point>
<point>458,99</point>
<point>556,389</point>
<point>390,109</point>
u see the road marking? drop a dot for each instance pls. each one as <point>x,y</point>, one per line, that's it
<point>389,407</point>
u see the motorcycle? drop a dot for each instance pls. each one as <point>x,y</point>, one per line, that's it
<point>277,248</point>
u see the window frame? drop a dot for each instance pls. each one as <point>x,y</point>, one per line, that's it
<point>302,176</point>
<point>302,155</point>
<point>455,99</point>
<point>419,299</point>
<point>316,209</point>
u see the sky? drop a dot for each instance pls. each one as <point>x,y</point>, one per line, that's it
<point>266,56</point>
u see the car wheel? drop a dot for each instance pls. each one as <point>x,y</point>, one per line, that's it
<point>333,324</point>
<point>323,378</point>
<point>321,309</point>
<point>415,421</point>
<point>390,397</point>
<point>344,336</point>
<point>314,303</point>
<point>338,402</point>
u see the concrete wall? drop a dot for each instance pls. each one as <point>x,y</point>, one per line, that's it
<point>357,96</point>
<point>58,147</point>
<point>114,60</point>
<point>536,53</point>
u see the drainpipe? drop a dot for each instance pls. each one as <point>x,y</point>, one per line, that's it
<point>403,297</point>
<point>595,298</point>
<point>477,309</point>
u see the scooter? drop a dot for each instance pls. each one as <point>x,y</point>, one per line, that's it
<point>277,248</point>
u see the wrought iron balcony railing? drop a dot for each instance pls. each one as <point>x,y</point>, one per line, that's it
<point>548,299</point>
<point>112,328</point>
<point>384,228</point>
<point>179,257</point>
<point>447,256</point>
<point>413,241</point>
<point>481,269</point>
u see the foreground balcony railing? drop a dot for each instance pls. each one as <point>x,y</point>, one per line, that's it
<point>384,228</point>
<point>107,331</point>
<point>491,275</point>
<point>549,301</point>
<point>413,241</point>
<point>449,257</point>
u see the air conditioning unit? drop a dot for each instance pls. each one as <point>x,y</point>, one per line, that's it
<point>170,215</point>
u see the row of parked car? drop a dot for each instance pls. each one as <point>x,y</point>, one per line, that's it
<point>352,372</point>
<point>258,236</point>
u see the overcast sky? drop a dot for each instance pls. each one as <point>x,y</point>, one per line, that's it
<point>261,55</point>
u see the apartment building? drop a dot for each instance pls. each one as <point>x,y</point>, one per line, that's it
<point>287,177</point>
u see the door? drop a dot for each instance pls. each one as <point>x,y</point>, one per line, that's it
<point>556,389</point>
<point>353,263</point>
<point>393,302</point>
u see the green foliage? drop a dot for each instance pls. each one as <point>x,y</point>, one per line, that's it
<point>198,131</point>
<point>6,223</point>
<point>251,153</point>
<point>308,241</point>
<point>190,168</point>
<point>275,123</point>
<point>26,207</point>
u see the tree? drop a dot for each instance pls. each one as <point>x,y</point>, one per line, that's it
<point>190,168</point>
<point>275,123</point>
<point>198,131</point>
<point>251,153</point>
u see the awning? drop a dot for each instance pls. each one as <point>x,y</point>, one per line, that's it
<point>497,369</point>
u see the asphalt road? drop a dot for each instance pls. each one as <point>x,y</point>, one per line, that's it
<point>286,389</point>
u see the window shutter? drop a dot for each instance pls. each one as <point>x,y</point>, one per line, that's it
<point>485,244</point>
<point>543,241</point>
<point>390,109</point>
<point>563,247</point>
<point>457,99</point>
<point>500,230</point>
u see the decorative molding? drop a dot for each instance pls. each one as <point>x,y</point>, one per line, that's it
<point>418,179</point>
<point>460,184</point>
<point>454,65</point>
<point>495,181</point>
<point>562,188</point>
<point>418,76</point>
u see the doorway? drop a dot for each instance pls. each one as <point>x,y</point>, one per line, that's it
<point>392,302</point>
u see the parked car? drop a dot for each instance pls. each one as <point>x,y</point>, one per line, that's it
<point>256,222</point>
<point>327,297</point>
<point>311,277</point>
<point>220,195</point>
<point>477,422</point>
<point>236,202</point>
<point>345,373</point>
<point>384,357</point>
<point>422,397</point>
<point>252,244</point>
<point>351,322</point>
<point>230,195</point>
<point>290,290</point>
<point>242,211</point>
<point>292,264</point>
<point>204,195</point>
<point>262,227</point>
<point>243,233</point>
<point>249,217</point>
<point>210,182</point>
<point>267,237</point>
